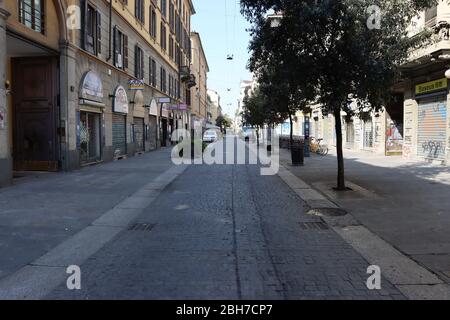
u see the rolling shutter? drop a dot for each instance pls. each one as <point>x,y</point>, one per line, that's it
<point>432,129</point>
<point>139,134</point>
<point>119,139</point>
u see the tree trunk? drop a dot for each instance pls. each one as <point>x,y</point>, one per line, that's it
<point>291,133</point>
<point>340,152</point>
<point>257,136</point>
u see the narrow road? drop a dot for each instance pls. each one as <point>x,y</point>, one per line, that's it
<point>226,232</point>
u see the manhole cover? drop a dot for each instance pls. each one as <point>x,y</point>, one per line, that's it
<point>141,227</point>
<point>328,212</point>
<point>314,226</point>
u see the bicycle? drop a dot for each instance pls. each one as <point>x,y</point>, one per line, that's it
<point>317,147</point>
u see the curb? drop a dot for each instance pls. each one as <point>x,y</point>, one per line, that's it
<point>411,279</point>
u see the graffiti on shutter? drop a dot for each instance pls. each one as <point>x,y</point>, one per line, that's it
<point>432,130</point>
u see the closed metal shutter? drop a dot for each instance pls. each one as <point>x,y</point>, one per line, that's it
<point>368,134</point>
<point>153,132</point>
<point>432,129</point>
<point>119,139</point>
<point>139,135</point>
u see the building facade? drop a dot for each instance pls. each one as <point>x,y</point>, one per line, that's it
<point>416,122</point>
<point>83,80</point>
<point>199,95</point>
<point>215,110</point>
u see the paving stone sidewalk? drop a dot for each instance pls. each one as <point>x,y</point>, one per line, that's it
<point>406,203</point>
<point>41,211</point>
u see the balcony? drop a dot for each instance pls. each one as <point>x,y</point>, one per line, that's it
<point>192,81</point>
<point>185,73</point>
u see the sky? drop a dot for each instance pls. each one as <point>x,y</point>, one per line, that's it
<point>223,32</point>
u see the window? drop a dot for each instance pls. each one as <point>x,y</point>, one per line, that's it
<point>120,49</point>
<point>152,71</point>
<point>139,10</point>
<point>164,8</point>
<point>139,63</point>
<point>172,15</point>
<point>163,36</point>
<point>430,16</point>
<point>163,80</point>
<point>92,30</point>
<point>152,22</point>
<point>31,14</point>
<point>171,48</point>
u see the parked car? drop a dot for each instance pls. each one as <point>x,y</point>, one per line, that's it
<point>210,136</point>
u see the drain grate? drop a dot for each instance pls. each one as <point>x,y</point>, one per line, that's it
<point>314,226</point>
<point>141,227</point>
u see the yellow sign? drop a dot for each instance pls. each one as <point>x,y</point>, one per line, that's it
<point>431,86</point>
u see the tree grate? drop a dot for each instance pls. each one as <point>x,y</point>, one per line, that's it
<point>314,226</point>
<point>141,227</point>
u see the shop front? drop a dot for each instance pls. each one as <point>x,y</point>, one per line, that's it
<point>138,125</point>
<point>153,124</point>
<point>119,123</point>
<point>432,120</point>
<point>90,119</point>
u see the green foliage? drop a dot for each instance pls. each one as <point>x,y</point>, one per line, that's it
<point>323,51</point>
<point>223,122</point>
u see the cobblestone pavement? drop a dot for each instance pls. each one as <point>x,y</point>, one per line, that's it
<point>225,232</point>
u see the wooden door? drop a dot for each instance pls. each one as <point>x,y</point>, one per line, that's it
<point>34,93</point>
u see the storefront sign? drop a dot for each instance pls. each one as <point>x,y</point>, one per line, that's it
<point>120,100</point>
<point>91,87</point>
<point>136,84</point>
<point>165,112</point>
<point>164,100</point>
<point>183,107</point>
<point>431,86</point>
<point>153,108</point>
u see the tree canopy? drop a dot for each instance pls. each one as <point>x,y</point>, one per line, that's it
<point>331,52</point>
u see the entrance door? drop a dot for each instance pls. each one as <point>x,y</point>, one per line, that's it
<point>119,135</point>
<point>89,137</point>
<point>164,133</point>
<point>350,134</point>
<point>139,134</point>
<point>34,98</point>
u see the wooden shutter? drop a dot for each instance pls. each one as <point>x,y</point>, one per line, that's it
<point>99,33</point>
<point>136,61</point>
<point>125,51</point>
<point>142,65</point>
<point>84,8</point>
<point>116,45</point>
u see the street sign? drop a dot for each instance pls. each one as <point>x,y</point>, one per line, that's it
<point>164,100</point>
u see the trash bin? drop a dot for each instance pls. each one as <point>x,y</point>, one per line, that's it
<point>298,156</point>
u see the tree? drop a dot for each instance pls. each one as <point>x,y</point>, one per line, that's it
<point>223,122</point>
<point>352,49</point>
<point>282,77</point>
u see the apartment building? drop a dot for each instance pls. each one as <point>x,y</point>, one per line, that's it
<point>200,68</point>
<point>82,80</point>
<point>214,109</point>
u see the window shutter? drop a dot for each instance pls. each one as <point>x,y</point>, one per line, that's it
<point>136,61</point>
<point>116,45</point>
<point>99,33</point>
<point>84,8</point>
<point>125,52</point>
<point>142,65</point>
